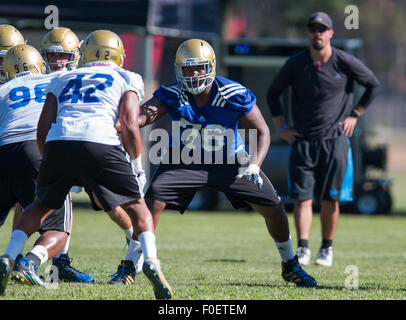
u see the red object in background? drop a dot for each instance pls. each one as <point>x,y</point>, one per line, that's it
<point>129,41</point>
<point>236,25</point>
<point>159,41</point>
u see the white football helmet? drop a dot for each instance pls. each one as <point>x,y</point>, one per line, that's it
<point>195,52</point>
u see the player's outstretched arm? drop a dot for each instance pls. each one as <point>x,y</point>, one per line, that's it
<point>47,117</point>
<point>255,120</point>
<point>151,111</point>
<point>128,118</point>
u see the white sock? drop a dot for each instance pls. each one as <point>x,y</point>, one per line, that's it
<point>16,244</point>
<point>41,252</point>
<point>134,251</point>
<point>147,239</point>
<point>285,250</point>
<point>129,232</point>
<point>65,248</point>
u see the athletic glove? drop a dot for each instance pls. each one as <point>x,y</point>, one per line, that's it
<point>252,174</point>
<point>139,172</point>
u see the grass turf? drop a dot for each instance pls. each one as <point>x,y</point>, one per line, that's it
<point>229,256</point>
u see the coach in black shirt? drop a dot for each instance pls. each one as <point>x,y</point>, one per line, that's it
<point>322,80</point>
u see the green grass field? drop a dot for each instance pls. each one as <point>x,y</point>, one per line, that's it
<point>229,256</point>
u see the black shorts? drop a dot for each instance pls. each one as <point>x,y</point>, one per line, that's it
<point>176,185</point>
<point>19,165</point>
<point>93,203</point>
<point>104,169</point>
<point>317,168</point>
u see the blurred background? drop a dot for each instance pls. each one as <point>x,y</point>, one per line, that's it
<point>252,40</point>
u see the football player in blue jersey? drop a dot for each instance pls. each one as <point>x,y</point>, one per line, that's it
<point>205,106</point>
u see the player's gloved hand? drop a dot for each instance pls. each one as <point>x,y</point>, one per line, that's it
<point>252,174</point>
<point>137,165</point>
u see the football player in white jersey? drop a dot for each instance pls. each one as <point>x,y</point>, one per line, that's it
<point>60,51</point>
<point>65,44</point>
<point>9,37</point>
<point>21,101</point>
<point>79,117</point>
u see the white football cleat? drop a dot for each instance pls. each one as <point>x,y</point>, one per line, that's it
<point>303,254</point>
<point>325,257</point>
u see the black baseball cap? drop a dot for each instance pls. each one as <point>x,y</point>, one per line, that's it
<point>320,18</point>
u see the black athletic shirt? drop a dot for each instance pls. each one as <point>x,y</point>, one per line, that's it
<point>322,94</point>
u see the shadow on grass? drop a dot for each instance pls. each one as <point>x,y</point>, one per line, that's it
<point>319,287</point>
<point>226,260</point>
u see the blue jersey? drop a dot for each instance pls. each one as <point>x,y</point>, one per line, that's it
<point>216,123</point>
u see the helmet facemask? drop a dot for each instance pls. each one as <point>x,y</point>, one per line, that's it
<point>195,84</point>
<point>69,65</point>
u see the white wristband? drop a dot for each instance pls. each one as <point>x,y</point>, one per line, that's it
<point>137,163</point>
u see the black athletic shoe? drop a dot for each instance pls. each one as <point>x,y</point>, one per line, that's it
<point>292,271</point>
<point>68,273</point>
<point>6,266</point>
<point>125,273</point>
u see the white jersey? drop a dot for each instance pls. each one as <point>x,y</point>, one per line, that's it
<point>21,102</point>
<point>88,103</point>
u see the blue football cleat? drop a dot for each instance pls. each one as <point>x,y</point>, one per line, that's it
<point>25,271</point>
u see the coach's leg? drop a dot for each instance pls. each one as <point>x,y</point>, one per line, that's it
<point>329,213</point>
<point>303,213</point>
<point>329,216</point>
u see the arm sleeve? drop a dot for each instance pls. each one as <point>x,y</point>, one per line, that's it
<point>365,77</point>
<point>135,84</point>
<point>279,84</point>
<point>243,102</point>
<point>168,95</point>
<point>52,86</point>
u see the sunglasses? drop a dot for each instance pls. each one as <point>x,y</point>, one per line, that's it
<point>314,29</point>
